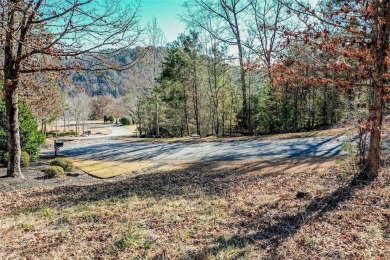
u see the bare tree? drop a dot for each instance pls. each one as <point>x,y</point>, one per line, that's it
<point>266,28</point>
<point>37,35</point>
<point>100,106</point>
<point>156,39</point>
<point>117,109</point>
<point>227,13</point>
<point>80,109</point>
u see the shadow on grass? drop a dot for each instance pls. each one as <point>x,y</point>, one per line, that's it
<point>273,235</point>
<point>194,180</point>
<point>215,179</point>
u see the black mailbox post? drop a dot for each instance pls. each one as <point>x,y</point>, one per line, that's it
<point>57,145</point>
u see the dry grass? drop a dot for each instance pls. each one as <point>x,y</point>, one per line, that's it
<point>132,128</point>
<point>320,133</point>
<point>49,142</point>
<point>229,210</point>
<point>109,169</point>
<point>94,129</point>
<point>94,126</point>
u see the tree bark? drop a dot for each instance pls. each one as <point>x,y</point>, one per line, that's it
<point>244,122</point>
<point>157,120</point>
<point>195,97</point>
<point>14,149</point>
<point>375,138</point>
<point>64,122</point>
<point>379,52</point>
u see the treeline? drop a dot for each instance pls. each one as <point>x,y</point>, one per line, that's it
<point>198,92</point>
<point>194,87</point>
<point>219,79</point>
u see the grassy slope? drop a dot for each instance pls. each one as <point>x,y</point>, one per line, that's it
<point>208,211</point>
<point>109,169</point>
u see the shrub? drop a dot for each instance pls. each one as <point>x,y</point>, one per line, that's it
<point>5,158</point>
<point>125,121</point>
<point>31,139</point>
<point>108,119</point>
<point>24,159</point>
<point>64,163</point>
<point>54,172</point>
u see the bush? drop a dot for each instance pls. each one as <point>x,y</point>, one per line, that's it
<point>64,163</point>
<point>31,139</point>
<point>5,158</point>
<point>24,159</point>
<point>125,121</point>
<point>109,119</point>
<point>54,172</point>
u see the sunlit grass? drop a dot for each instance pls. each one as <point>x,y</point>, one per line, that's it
<point>109,169</point>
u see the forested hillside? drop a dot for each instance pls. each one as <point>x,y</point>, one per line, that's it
<point>118,83</point>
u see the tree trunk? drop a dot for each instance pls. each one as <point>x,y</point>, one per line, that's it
<point>157,121</point>
<point>230,118</point>
<point>195,99</point>
<point>375,138</point>
<point>249,108</point>
<point>379,54</point>
<point>186,113</point>
<point>64,123</point>
<point>245,118</point>
<point>245,123</point>
<point>14,149</point>
<point>223,117</point>
<point>140,127</point>
<point>186,120</point>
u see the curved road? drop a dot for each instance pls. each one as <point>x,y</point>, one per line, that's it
<point>120,150</point>
<point>119,131</point>
<point>115,132</point>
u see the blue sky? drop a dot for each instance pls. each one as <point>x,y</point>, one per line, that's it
<point>167,14</point>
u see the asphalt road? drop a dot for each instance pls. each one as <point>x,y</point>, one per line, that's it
<point>119,150</point>
<point>115,132</point>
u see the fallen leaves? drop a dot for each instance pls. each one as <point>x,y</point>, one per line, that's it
<point>215,210</point>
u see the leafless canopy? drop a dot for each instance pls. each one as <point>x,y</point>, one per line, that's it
<point>43,30</point>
